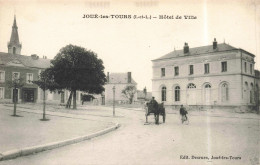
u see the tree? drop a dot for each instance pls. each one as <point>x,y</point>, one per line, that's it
<point>46,82</point>
<point>15,84</point>
<point>129,92</point>
<point>75,68</point>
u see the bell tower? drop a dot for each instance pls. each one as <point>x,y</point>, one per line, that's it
<point>14,46</point>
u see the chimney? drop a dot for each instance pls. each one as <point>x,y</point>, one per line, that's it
<point>108,77</point>
<point>215,43</point>
<point>186,48</point>
<point>129,78</point>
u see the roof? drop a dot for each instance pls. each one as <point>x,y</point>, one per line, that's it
<point>198,51</point>
<point>119,78</point>
<point>27,61</point>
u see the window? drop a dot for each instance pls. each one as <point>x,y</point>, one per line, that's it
<point>251,68</point>
<point>2,76</point>
<point>191,69</point>
<point>16,75</point>
<point>1,93</point>
<point>224,92</point>
<point>207,86</point>
<point>224,66</point>
<point>191,85</point>
<point>162,72</point>
<point>29,78</point>
<point>176,71</point>
<point>163,93</point>
<point>177,93</point>
<point>245,67</point>
<point>206,68</point>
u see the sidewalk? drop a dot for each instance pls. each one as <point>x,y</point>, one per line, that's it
<point>28,130</point>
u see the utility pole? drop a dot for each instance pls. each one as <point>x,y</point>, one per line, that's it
<point>114,100</point>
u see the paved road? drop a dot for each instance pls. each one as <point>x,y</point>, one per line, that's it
<point>136,143</point>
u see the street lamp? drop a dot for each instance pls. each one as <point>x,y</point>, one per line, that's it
<point>114,100</point>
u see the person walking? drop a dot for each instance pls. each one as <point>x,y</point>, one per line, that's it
<point>183,113</point>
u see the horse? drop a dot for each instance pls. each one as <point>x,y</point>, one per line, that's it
<point>157,110</point>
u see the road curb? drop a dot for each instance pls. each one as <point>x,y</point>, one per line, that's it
<point>49,146</point>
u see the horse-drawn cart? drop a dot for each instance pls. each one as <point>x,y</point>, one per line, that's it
<point>157,110</point>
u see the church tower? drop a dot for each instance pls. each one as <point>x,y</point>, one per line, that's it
<point>14,46</point>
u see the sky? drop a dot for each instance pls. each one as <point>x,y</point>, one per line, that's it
<point>129,45</point>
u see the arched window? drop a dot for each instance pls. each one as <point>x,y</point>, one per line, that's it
<point>191,85</point>
<point>163,93</point>
<point>14,50</point>
<point>251,93</point>
<point>177,93</point>
<point>224,92</point>
<point>207,86</point>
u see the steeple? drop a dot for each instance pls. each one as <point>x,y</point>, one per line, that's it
<point>14,46</point>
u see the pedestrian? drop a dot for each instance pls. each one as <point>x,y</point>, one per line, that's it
<point>183,113</point>
<point>154,105</point>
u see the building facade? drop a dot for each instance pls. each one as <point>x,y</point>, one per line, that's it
<point>118,81</point>
<point>27,68</point>
<point>213,75</point>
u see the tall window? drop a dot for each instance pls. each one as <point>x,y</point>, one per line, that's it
<point>162,72</point>
<point>245,67</point>
<point>163,93</point>
<point>176,71</point>
<point>206,68</point>
<point>191,69</point>
<point>251,68</point>
<point>251,93</point>
<point>29,78</point>
<point>177,93</point>
<point>224,92</point>
<point>1,93</point>
<point>224,66</point>
<point>2,76</point>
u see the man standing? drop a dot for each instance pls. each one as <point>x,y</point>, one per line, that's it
<point>183,113</point>
<point>155,110</point>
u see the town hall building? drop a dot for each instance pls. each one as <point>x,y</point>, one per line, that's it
<point>217,75</point>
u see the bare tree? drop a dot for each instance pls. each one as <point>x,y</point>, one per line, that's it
<point>129,92</point>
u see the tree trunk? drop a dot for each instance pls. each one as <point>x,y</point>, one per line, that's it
<point>44,104</point>
<point>14,108</point>
<point>74,99</point>
<point>15,98</point>
<point>69,100</point>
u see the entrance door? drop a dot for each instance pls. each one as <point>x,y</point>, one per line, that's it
<point>28,95</point>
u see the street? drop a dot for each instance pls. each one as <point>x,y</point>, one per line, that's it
<point>228,140</point>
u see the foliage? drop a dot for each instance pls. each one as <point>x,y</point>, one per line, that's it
<point>129,92</point>
<point>15,83</point>
<point>46,81</point>
<point>75,68</point>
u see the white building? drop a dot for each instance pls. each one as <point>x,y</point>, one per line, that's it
<point>215,75</point>
<point>119,81</point>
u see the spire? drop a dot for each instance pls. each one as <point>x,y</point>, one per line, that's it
<point>14,46</point>
<point>14,35</point>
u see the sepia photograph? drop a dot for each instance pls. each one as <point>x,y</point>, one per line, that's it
<point>129,82</point>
